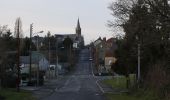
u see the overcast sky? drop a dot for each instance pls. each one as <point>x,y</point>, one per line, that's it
<point>59,16</point>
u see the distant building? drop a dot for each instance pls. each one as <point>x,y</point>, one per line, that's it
<point>110,53</point>
<point>104,54</point>
<point>77,38</point>
<point>99,53</point>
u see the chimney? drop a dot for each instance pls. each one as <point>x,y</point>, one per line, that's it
<point>104,39</point>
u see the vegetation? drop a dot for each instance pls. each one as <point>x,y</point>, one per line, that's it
<point>145,22</point>
<point>119,82</point>
<point>11,94</point>
<point>140,95</point>
<point>6,61</point>
<point>8,43</point>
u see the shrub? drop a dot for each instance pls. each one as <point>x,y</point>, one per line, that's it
<point>157,79</point>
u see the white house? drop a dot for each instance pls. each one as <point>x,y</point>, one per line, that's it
<point>37,61</point>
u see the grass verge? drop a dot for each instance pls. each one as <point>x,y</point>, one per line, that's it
<point>120,83</point>
<point>139,95</point>
<point>12,94</point>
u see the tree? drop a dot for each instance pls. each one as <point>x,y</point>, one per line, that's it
<point>7,43</point>
<point>68,46</point>
<point>26,46</point>
<point>149,21</point>
<point>68,43</point>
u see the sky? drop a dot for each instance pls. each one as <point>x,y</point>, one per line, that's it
<point>59,16</point>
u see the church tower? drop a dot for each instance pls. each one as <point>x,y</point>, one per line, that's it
<point>78,28</point>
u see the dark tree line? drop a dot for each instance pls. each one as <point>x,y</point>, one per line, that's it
<point>8,51</point>
<point>146,22</point>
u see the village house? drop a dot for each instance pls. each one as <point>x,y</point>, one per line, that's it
<point>103,54</point>
<point>39,64</point>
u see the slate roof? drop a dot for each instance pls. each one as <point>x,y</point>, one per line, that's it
<point>63,36</point>
<point>36,57</point>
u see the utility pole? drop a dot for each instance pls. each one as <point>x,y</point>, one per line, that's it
<point>18,57</point>
<point>38,64</point>
<point>56,68</point>
<point>138,69</point>
<point>30,69</point>
<point>138,62</point>
<point>70,55</point>
<point>48,34</point>
<point>49,58</point>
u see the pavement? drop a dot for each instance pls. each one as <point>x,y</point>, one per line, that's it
<point>79,85</point>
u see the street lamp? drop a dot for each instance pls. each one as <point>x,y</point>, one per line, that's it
<point>38,58</point>
<point>37,45</point>
<point>56,67</point>
<point>138,72</point>
<point>30,67</point>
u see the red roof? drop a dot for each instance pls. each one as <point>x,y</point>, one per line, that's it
<point>109,53</point>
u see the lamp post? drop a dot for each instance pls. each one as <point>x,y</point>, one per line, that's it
<point>56,67</point>
<point>31,33</point>
<point>31,28</point>
<point>49,54</point>
<point>38,58</point>
<point>138,71</point>
<point>18,59</point>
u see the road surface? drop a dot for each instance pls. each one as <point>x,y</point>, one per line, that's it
<point>80,85</point>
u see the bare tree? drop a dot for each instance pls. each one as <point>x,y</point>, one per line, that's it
<point>3,29</point>
<point>149,21</point>
<point>161,7</point>
<point>18,28</point>
<point>120,10</point>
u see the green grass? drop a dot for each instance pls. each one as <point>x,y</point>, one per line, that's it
<point>116,82</point>
<point>12,94</point>
<point>119,82</point>
<point>120,97</point>
<point>147,95</point>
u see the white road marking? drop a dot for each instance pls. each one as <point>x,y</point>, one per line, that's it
<point>101,89</point>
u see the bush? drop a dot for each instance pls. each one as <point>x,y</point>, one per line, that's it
<point>2,98</point>
<point>158,79</point>
<point>9,81</point>
<point>33,82</point>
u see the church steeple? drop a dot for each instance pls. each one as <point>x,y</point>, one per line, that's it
<point>78,28</point>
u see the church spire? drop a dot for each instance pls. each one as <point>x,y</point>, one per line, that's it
<point>78,28</point>
<point>78,23</point>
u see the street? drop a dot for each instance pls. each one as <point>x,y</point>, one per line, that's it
<point>80,85</point>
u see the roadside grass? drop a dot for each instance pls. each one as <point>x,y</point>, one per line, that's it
<point>120,97</point>
<point>119,82</point>
<point>12,94</point>
<point>139,95</point>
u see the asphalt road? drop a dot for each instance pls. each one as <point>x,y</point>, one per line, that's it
<point>80,85</point>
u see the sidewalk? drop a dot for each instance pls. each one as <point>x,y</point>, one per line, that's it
<point>30,88</point>
<point>47,83</point>
<point>47,89</point>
